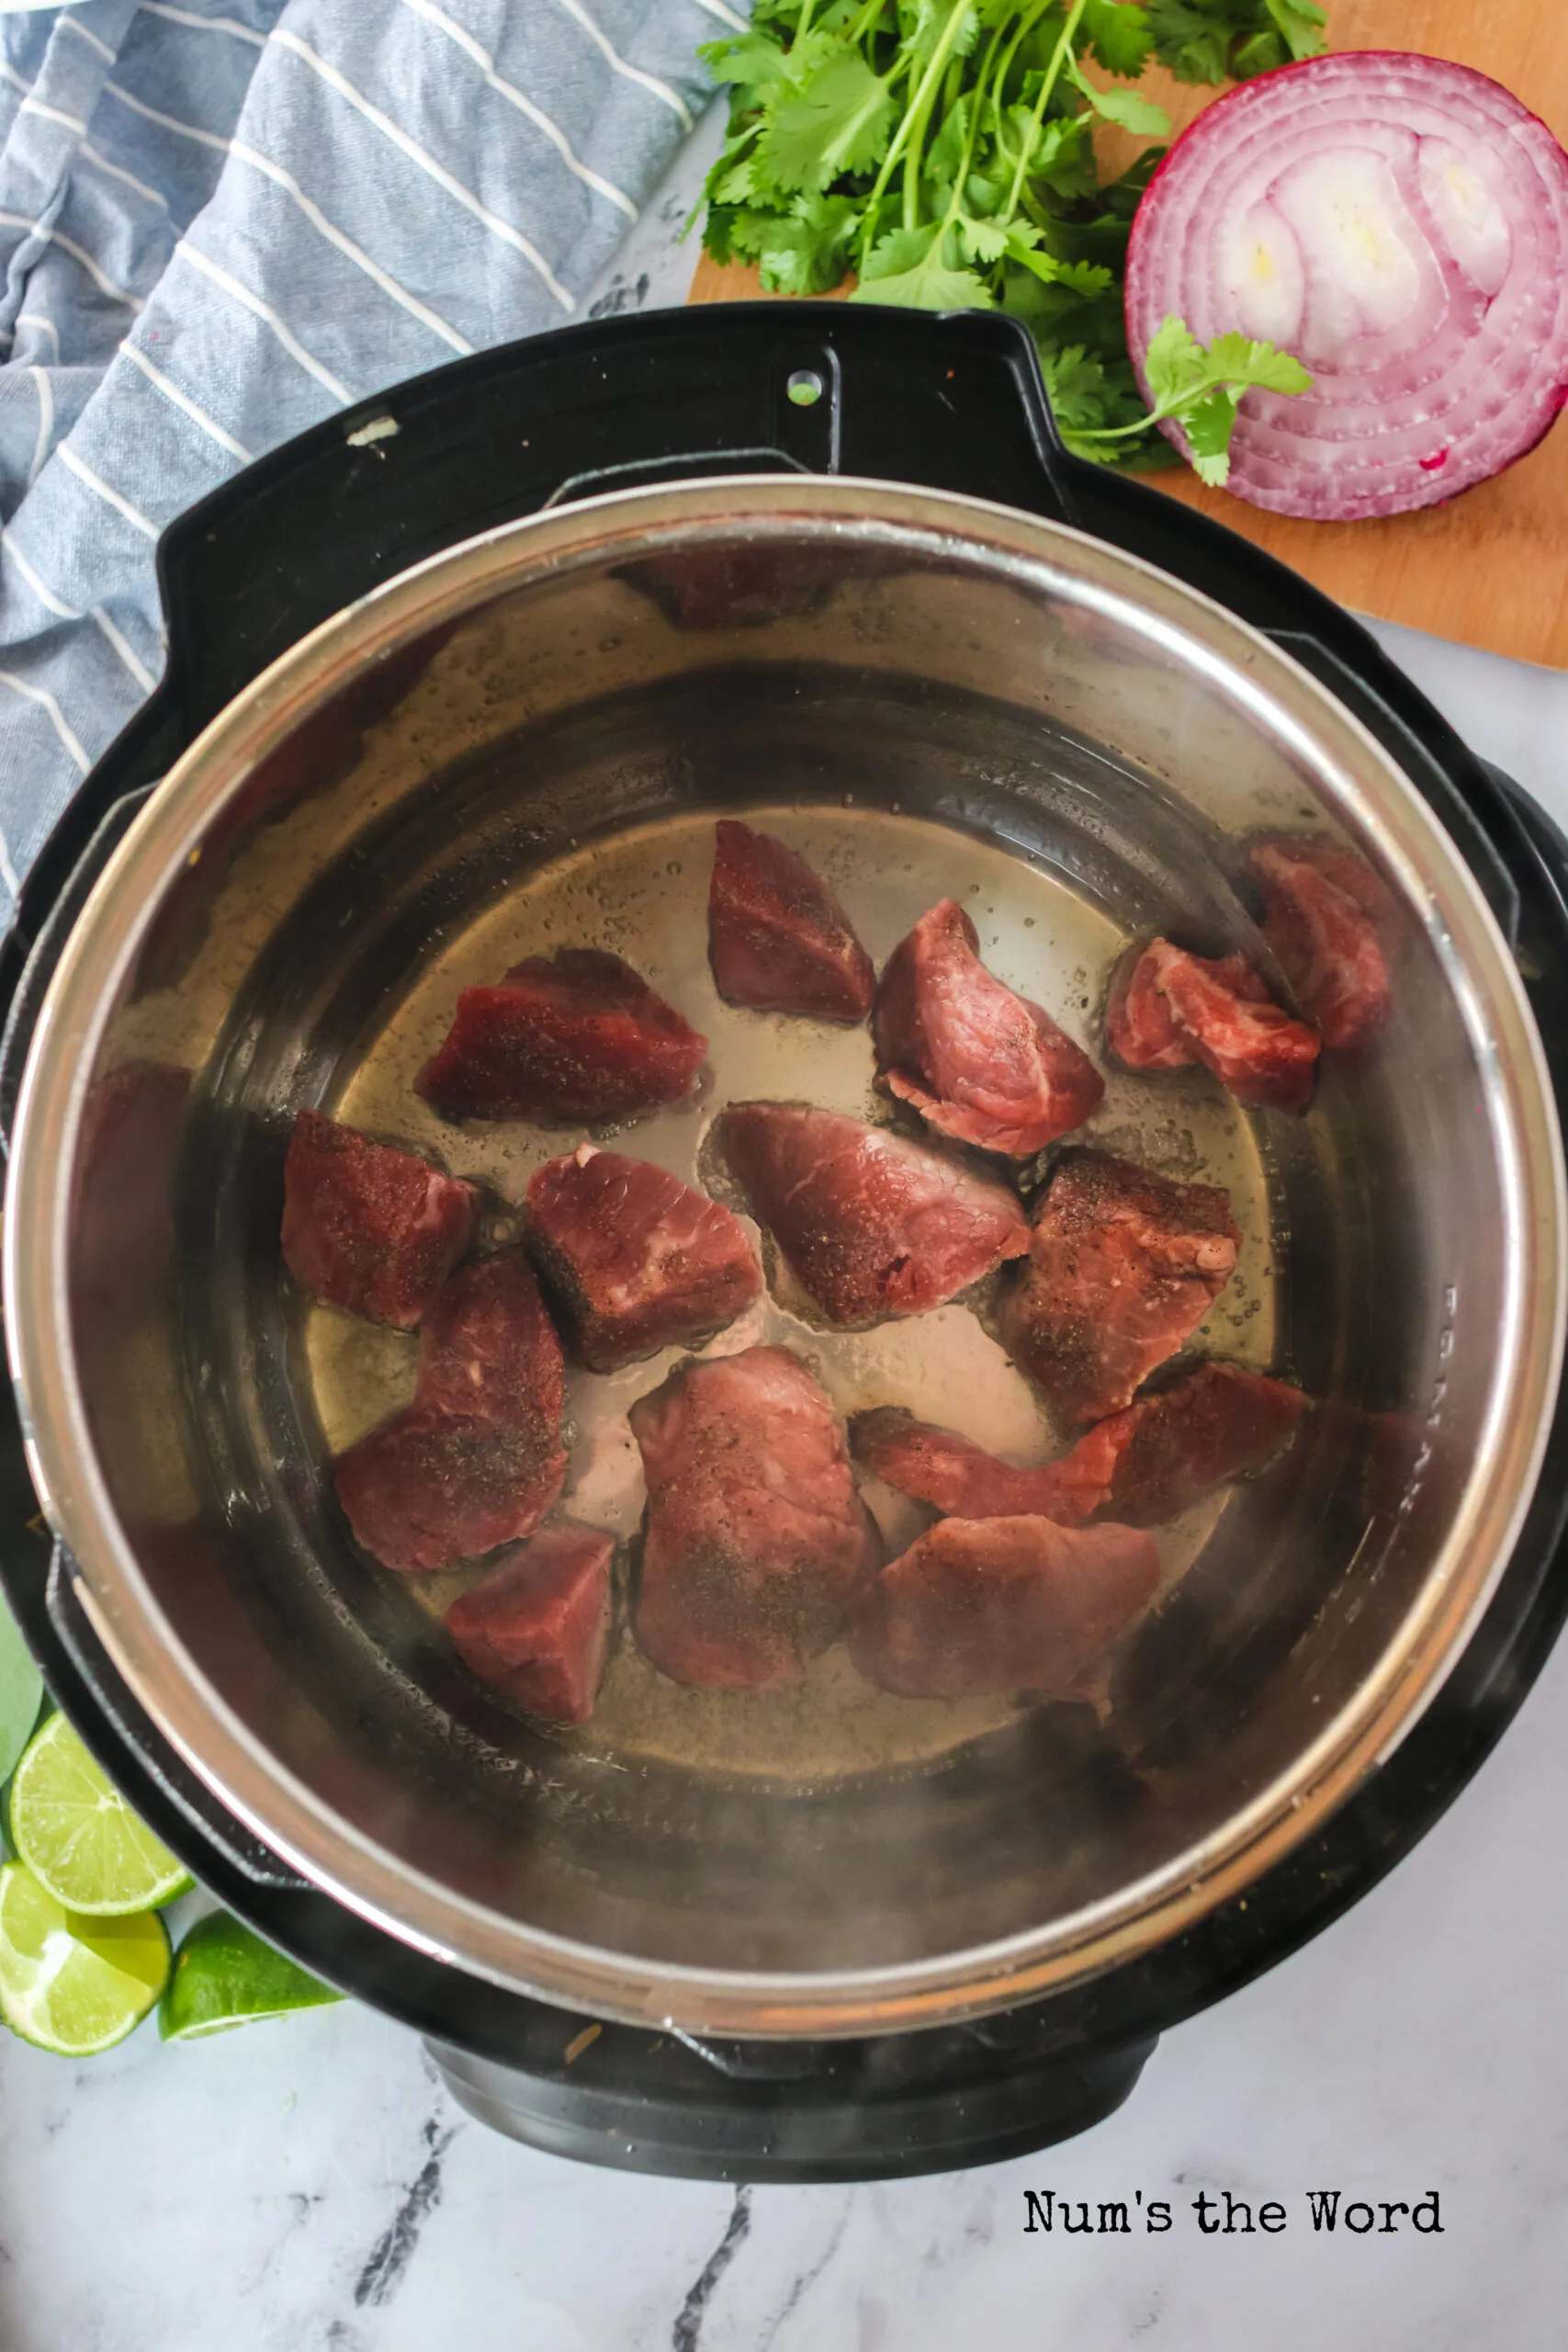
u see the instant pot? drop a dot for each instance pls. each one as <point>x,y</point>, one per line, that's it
<point>576,593</point>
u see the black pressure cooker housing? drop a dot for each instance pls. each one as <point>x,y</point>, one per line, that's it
<point>954,403</point>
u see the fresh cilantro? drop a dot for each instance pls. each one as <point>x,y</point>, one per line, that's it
<point>752,60</point>
<point>1125,107</point>
<point>942,151</point>
<point>804,251</point>
<point>1118,36</point>
<point>837,122</point>
<point>909,267</point>
<point>1201,388</point>
<point>1207,40</point>
<point>1301,25</point>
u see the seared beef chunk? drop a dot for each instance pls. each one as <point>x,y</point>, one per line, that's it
<point>1166,1450</point>
<point>756,1540</point>
<point>975,1061</point>
<point>636,1260</point>
<point>1123,1265</point>
<point>490,1348</point>
<point>1324,905</point>
<point>1168,1009</point>
<point>538,1627</point>
<point>368,1228</point>
<point>778,939</point>
<point>575,1035</point>
<point>961,1480</point>
<point>871,1225</point>
<point>980,1606</point>
<point>1140,1466</point>
<point>475,1460</point>
<point>428,1487</point>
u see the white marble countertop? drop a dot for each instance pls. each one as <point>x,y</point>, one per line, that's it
<point>309,2187</point>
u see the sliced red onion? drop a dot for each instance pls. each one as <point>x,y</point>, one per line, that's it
<point>1400,225</point>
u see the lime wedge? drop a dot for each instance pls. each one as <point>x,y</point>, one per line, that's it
<point>71,1985</point>
<point>224,1976</point>
<point>80,1838</point>
<point>21,1693</point>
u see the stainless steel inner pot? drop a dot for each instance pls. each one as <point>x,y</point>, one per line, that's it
<point>521,744</point>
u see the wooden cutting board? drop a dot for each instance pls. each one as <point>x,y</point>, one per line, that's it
<point>1490,568</point>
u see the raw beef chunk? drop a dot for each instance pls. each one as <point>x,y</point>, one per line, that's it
<point>636,1260</point>
<point>1323,904</point>
<point>1123,1265</point>
<point>368,1228</point>
<point>871,1225</point>
<point>538,1627</point>
<point>980,1606</point>
<point>575,1035</point>
<point>778,939</point>
<point>976,1061</point>
<point>756,1540</point>
<point>1168,1450</point>
<point>475,1460</point>
<point>961,1480</point>
<point>1168,1009</point>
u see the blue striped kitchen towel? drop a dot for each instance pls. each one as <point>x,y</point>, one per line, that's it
<point>220,221</point>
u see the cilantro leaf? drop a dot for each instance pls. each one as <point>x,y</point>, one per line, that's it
<point>750,60</point>
<point>1208,427</point>
<point>737,185</point>
<point>1207,40</point>
<point>1021,241</point>
<point>908,268</point>
<point>1076,385</point>
<point>1201,390</point>
<point>805,251</point>
<point>1191,40</point>
<point>1118,34</point>
<point>1301,25</point>
<point>1058,154</point>
<point>838,121</point>
<point>1235,357</point>
<point>985,240</point>
<point>1174,360</point>
<point>1264,53</point>
<point>1123,107</point>
<point>926,23</point>
<point>944,156</point>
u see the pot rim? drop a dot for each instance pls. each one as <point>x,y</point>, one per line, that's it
<point>248,1781</point>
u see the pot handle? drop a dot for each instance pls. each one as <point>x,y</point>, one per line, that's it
<point>954,402</point>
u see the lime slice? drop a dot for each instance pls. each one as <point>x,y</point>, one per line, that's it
<point>71,1985</point>
<point>21,1693</point>
<point>223,1976</point>
<point>80,1838</point>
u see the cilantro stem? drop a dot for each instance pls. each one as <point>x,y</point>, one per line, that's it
<point>956,205</point>
<point>912,128</point>
<point>1174,402</point>
<point>1118,432</point>
<point>1027,23</point>
<point>1052,77</point>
